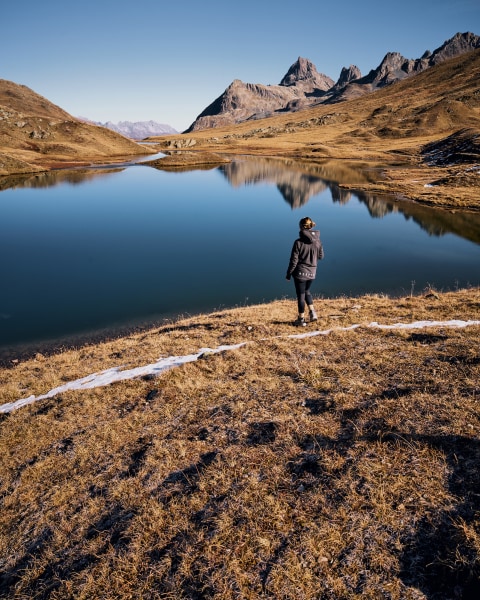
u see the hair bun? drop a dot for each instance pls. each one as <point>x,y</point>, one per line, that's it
<point>306,223</point>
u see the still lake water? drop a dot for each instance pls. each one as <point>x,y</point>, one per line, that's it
<point>101,250</point>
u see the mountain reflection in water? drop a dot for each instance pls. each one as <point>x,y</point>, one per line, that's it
<point>46,179</point>
<point>298,183</point>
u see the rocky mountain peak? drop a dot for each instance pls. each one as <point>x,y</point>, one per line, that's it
<point>458,44</point>
<point>303,72</point>
<point>348,75</point>
<point>392,59</point>
<point>393,67</point>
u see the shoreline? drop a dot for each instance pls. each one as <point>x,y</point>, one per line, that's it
<point>403,176</point>
<point>116,374</point>
<point>10,357</point>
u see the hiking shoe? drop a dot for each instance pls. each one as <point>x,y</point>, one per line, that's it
<point>313,315</point>
<point>300,322</point>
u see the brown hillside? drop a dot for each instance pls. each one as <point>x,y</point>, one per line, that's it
<point>389,127</point>
<point>26,101</point>
<point>35,134</point>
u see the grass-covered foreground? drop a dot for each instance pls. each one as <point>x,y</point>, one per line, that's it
<point>337,466</point>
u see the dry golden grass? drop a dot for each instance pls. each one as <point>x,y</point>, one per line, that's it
<point>341,466</point>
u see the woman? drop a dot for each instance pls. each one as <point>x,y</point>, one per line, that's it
<point>306,252</point>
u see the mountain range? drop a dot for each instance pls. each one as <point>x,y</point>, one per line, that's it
<point>136,130</point>
<point>304,87</point>
<point>434,100</point>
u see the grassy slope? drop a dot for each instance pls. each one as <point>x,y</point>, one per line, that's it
<point>339,466</point>
<point>38,135</point>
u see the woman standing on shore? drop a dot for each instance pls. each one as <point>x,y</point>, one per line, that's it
<point>307,250</point>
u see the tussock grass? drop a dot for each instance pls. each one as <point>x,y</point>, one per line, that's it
<point>339,466</point>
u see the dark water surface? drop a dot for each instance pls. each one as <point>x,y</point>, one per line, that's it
<point>102,250</point>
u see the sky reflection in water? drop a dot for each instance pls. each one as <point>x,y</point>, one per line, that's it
<point>85,251</point>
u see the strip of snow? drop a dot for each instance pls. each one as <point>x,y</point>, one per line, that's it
<point>115,374</point>
<point>375,325</point>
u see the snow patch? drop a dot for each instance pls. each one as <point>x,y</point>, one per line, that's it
<point>115,374</point>
<point>375,325</point>
<point>104,378</point>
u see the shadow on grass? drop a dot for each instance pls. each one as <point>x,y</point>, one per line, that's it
<point>110,527</point>
<point>439,559</point>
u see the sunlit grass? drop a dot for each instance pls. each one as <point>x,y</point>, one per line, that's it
<point>337,466</point>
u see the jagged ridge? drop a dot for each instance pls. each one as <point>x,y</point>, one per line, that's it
<point>303,86</point>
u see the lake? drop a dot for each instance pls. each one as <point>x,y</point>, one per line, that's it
<point>88,252</point>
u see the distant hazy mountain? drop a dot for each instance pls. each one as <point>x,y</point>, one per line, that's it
<point>138,130</point>
<point>303,86</point>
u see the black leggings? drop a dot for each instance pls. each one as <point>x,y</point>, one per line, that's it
<point>303,293</point>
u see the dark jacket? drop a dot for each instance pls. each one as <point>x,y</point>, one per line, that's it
<point>306,252</point>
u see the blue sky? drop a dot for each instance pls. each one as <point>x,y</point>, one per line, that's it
<point>166,61</point>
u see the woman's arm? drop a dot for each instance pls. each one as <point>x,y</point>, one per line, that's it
<point>293,260</point>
